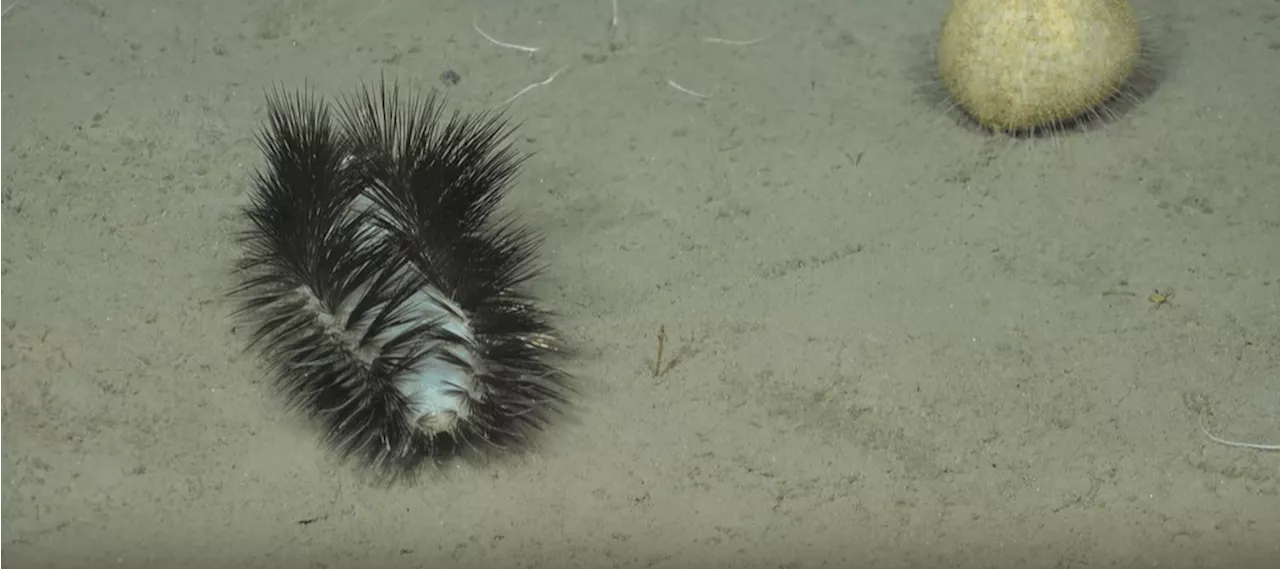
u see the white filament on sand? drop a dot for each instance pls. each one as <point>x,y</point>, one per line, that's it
<point>15,4</point>
<point>1237,444</point>
<point>733,42</point>
<point>534,86</point>
<point>687,91</point>
<point>500,43</point>
<point>613,23</point>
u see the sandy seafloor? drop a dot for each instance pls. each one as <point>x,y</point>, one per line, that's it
<point>895,341</point>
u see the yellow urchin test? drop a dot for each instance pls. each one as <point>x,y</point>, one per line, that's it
<point>1017,65</point>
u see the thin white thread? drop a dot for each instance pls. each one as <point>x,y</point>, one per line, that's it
<point>734,42</point>
<point>534,86</point>
<point>15,5</point>
<point>1237,444</point>
<point>500,43</point>
<point>613,23</point>
<point>687,91</point>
